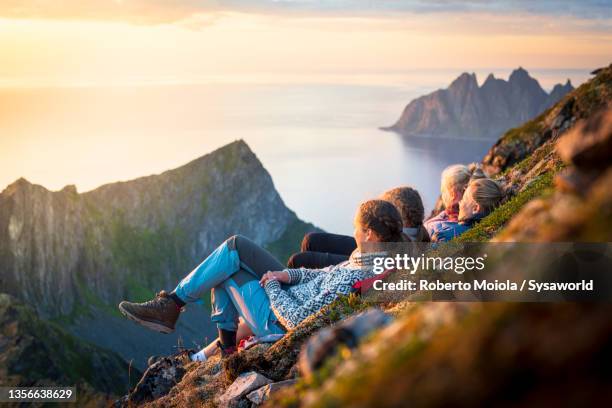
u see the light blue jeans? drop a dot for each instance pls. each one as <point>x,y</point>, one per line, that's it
<point>231,273</point>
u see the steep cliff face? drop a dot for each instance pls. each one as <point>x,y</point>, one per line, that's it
<point>70,255</point>
<point>466,110</point>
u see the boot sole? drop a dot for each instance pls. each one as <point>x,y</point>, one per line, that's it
<point>146,323</point>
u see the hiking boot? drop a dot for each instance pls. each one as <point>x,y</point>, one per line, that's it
<point>159,314</point>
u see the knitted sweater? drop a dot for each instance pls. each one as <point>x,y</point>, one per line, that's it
<point>311,289</point>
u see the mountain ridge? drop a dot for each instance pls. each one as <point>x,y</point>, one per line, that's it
<point>467,110</point>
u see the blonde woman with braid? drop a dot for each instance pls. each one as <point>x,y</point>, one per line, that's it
<point>480,198</point>
<point>247,282</point>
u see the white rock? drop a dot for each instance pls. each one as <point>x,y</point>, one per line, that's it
<point>244,384</point>
<point>260,395</point>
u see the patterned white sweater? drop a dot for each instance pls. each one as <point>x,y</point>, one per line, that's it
<point>312,289</point>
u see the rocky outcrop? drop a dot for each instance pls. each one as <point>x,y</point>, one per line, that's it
<point>465,110</point>
<point>581,207</point>
<point>243,385</point>
<point>518,143</point>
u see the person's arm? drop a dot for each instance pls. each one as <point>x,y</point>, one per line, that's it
<point>292,276</point>
<point>303,275</point>
<point>292,313</point>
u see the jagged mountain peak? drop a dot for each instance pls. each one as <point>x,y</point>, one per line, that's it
<point>70,188</point>
<point>463,80</point>
<point>21,184</point>
<point>466,110</point>
<point>519,74</point>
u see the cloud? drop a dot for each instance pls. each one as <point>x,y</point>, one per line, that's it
<point>170,11</point>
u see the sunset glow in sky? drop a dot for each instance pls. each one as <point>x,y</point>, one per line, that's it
<point>77,78</point>
<point>141,41</point>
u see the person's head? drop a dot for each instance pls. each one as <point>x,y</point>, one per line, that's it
<point>454,181</point>
<point>377,221</point>
<point>409,204</point>
<point>481,197</point>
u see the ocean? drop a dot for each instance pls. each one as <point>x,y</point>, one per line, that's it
<point>318,139</point>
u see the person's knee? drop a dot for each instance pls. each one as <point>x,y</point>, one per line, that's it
<point>307,241</point>
<point>238,241</point>
<point>293,261</point>
<point>233,242</point>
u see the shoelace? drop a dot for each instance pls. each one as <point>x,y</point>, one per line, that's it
<point>155,302</point>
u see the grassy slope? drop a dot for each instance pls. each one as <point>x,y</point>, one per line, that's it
<point>494,222</point>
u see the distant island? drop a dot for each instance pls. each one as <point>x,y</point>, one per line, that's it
<point>466,110</point>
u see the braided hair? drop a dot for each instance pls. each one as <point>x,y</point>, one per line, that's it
<point>383,218</point>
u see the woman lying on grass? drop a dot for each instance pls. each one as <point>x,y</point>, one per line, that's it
<point>453,183</point>
<point>481,197</point>
<point>247,282</point>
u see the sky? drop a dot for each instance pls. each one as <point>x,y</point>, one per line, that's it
<point>60,137</point>
<point>101,42</point>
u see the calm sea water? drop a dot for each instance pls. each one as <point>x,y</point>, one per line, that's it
<point>319,142</point>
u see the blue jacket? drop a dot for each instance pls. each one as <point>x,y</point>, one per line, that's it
<point>439,222</point>
<point>447,230</point>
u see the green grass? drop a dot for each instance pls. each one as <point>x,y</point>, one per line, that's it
<point>520,133</point>
<point>494,222</point>
<point>289,243</point>
<point>148,254</point>
<point>531,160</point>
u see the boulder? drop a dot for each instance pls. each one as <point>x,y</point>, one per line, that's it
<point>244,384</point>
<point>348,333</point>
<point>157,380</point>
<point>589,144</point>
<point>261,395</point>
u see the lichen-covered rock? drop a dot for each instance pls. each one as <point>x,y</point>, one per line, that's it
<point>347,333</point>
<point>244,384</point>
<point>157,380</point>
<point>261,395</point>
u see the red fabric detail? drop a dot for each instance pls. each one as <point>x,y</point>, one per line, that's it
<point>243,342</point>
<point>363,286</point>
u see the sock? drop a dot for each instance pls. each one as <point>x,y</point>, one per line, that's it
<point>227,338</point>
<point>199,356</point>
<point>177,299</point>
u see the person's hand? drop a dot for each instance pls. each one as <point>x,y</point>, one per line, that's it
<point>281,276</point>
